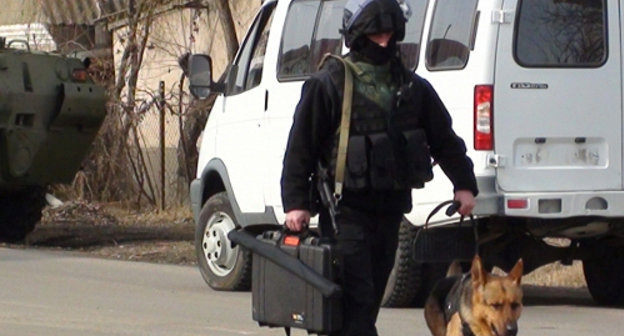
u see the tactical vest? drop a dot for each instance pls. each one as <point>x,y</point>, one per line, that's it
<point>387,147</point>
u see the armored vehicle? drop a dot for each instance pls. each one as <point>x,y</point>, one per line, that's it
<point>50,112</point>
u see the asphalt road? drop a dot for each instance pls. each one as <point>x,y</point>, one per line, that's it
<point>56,293</point>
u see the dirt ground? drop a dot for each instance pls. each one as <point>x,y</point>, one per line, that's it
<point>108,231</point>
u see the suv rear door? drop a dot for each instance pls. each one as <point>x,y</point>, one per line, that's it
<point>558,96</point>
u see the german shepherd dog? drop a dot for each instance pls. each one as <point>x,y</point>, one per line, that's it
<point>476,303</point>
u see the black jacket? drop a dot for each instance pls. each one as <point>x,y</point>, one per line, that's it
<point>316,119</point>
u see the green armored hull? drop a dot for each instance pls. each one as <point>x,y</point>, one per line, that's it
<point>50,112</point>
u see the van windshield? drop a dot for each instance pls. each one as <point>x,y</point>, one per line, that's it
<point>561,33</point>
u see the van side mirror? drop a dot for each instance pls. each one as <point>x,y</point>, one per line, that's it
<point>200,75</point>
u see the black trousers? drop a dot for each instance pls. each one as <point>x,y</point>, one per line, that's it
<point>366,247</point>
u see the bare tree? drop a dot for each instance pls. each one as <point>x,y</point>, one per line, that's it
<point>227,24</point>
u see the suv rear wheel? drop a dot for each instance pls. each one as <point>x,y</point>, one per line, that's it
<point>222,266</point>
<point>410,282</point>
<point>405,278</point>
<point>604,273</point>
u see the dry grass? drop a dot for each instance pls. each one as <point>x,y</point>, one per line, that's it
<point>557,275</point>
<point>111,230</point>
<point>129,217</point>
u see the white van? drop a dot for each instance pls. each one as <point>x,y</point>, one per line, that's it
<point>534,88</point>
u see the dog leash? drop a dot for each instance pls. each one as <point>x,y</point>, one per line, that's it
<point>453,207</point>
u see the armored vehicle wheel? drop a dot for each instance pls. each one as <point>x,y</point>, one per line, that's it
<point>405,278</point>
<point>19,212</point>
<point>222,266</point>
<point>604,274</point>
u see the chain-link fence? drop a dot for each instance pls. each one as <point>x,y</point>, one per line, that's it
<point>157,151</point>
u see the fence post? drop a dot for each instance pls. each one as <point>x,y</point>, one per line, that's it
<point>161,106</point>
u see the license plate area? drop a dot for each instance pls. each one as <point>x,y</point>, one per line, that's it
<point>563,152</point>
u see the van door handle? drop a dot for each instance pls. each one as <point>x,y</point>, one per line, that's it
<point>502,16</point>
<point>266,100</point>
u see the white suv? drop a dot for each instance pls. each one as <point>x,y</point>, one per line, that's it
<point>534,88</point>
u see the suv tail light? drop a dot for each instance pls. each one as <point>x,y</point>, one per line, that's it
<point>483,126</point>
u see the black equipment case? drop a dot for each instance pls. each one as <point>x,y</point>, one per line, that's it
<point>281,299</point>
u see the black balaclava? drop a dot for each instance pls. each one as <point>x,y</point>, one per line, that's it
<point>373,52</point>
<point>365,17</point>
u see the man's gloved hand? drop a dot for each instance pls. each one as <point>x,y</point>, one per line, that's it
<point>297,220</point>
<point>467,200</point>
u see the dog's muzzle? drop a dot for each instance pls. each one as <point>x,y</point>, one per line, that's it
<point>511,329</point>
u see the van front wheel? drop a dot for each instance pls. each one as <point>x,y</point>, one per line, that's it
<point>223,266</point>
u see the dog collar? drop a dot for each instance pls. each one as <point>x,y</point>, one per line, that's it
<point>451,301</point>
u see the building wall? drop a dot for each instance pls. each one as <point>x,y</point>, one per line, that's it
<point>22,20</point>
<point>19,12</point>
<point>172,35</point>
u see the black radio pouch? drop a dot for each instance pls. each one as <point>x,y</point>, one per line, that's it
<point>418,157</point>
<point>383,162</point>
<point>357,163</point>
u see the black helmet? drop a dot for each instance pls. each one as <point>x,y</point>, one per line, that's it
<point>363,17</point>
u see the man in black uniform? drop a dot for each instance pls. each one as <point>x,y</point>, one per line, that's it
<point>397,123</point>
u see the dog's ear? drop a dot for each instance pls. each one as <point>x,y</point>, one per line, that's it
<point>477,272</point>
<point>516,272</point>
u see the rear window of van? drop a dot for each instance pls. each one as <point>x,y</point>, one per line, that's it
<point>561,33</point>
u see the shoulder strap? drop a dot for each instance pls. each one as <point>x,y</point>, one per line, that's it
<point>345,123</point>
